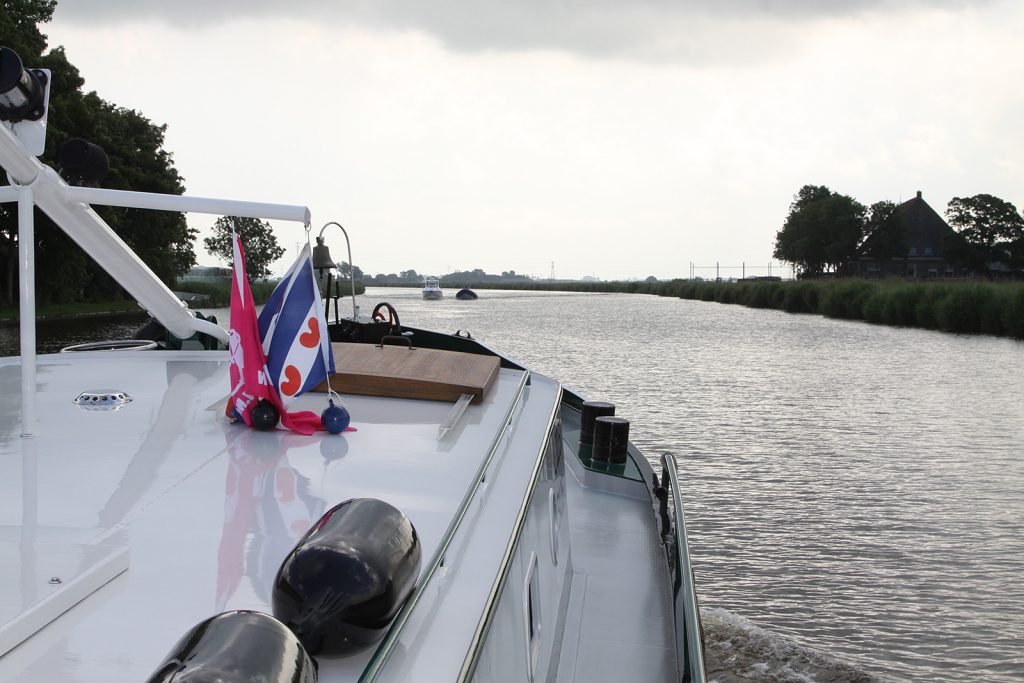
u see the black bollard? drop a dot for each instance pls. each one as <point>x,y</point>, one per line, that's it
<point>611,440</point>
<point>591,411</point>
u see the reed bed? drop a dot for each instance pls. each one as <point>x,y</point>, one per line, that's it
<point>967,307</point>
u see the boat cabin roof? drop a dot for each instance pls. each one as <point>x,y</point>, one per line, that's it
<point>161,513</point>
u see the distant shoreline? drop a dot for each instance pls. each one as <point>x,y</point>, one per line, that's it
<point>964,307</point>
<point>992,308</point>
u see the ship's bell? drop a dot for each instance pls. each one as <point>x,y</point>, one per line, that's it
<point>322,256</point>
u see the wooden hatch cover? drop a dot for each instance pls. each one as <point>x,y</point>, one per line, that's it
<point>403,372</point>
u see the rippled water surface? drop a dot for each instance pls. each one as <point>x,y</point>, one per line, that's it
<point>854,494</point>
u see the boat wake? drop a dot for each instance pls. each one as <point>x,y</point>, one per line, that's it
<point>736,650</point>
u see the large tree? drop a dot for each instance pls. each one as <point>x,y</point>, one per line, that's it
<point>137,161</point>
<point>886,234</point>
<point>821,232</point>
<point>258,241</point>
<point>991,224</point>
<point>19,25</point>
<point>345,271</point>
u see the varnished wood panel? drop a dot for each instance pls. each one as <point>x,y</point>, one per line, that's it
<point>400,372</point>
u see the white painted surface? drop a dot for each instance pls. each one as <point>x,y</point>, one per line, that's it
<point>27,309</point>
<point>187,203</point>
<point>621,592</point>
<point>209,509</point>
<point>41,581</point>
<point>440,632</point>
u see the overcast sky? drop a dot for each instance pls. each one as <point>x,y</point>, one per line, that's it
<point>612,138</point>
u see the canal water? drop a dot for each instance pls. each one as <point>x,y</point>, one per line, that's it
<point>854,494</point>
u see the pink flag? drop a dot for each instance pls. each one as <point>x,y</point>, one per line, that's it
<point>249,377</point>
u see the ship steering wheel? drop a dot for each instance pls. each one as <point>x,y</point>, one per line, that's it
<point>391,317</point>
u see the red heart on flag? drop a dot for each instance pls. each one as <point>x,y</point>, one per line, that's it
<point>292,382</point>
<point>311,339</point>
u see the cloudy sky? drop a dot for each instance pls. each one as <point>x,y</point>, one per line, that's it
<point>612,138</point>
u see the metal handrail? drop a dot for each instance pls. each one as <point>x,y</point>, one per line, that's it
<point>683,585</point>
<point>491,604</point>
<point>384,650</point>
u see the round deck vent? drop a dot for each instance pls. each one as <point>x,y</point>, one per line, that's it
<point>106,400</point>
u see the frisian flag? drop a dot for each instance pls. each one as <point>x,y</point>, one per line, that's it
<point>249,377</point>
<point>294,332</point>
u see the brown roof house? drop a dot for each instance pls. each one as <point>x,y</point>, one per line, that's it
<point>916,242</point>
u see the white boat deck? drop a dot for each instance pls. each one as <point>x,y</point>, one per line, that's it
<point>206,509</point>
<point>620,608</point>
<point>201,512</point>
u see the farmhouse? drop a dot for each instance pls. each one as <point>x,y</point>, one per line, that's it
<point>917,242</point>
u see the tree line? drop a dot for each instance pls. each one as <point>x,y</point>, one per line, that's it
<point>458,278</point>
<point>825,230</point>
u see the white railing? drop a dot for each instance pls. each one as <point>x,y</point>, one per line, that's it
<point>689,645</point>
<point>34,184</point>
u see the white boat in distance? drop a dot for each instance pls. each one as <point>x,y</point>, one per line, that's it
<point>432,288</point>
<point>482,523</point>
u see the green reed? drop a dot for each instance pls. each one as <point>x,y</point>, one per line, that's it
<point>995,308</point>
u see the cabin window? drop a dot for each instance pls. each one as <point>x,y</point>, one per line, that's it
<point>531,616</point>
<point>912,252</point>
<point>927,251</point>
<point>555,524</point>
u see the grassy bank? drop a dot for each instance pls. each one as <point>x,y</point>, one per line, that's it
<point>965,307</point>
<point>218,294</point>
<point>211,295</point>
<point>91,308</point>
